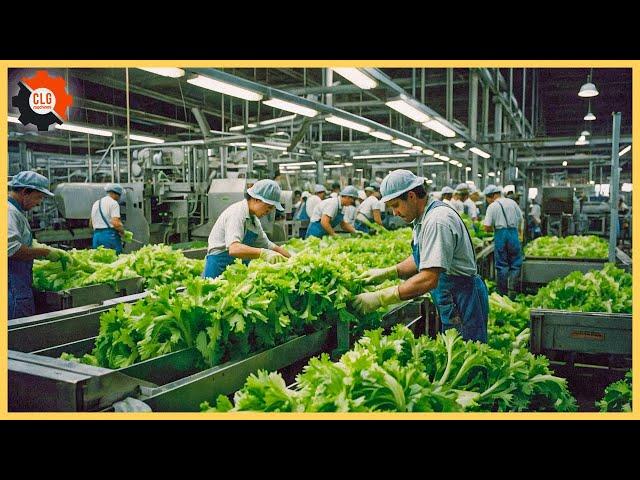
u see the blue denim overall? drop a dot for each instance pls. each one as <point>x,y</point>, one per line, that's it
<point>21,302</point>
<point>317,230</point>
<point>508,255</point>
<point>462,301</point>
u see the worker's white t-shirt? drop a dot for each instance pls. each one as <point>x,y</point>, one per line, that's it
<point>349,213</point>
<point>328,206</point>
<point>367,207</point>
<point>457,205</point>
<point>19,230</point>
<point>469,207</point>
<point>312,203</point>
<point>231,226</point>
<point>110,210</point>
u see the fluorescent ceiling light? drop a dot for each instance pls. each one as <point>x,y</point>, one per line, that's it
<point>271,121</point>
<point>564,163</point>
<point>259,162</point>
<point>585,133</point>
<point>480,175</point>
<point>298,164</point>
<point>290,107</point>
<point>460,144</point>
<point>436,126</point>
<point>426,151</point>
<point>166,72</point>
<point>270,146</point>
<point>402,143</point>
<point>624,150</point>
<point>347,164</point>
<point>410,152</point>
<point>477,151</point>
<point>77,128</point>
<point>358,169</point>
<point>418,148</point>
<point>225,88</point>
<point>339,165</point>
<point>408,110</point>
<point>356,77</point>
<point>13,119</point>
<point>390,155</point>
<point>348,123</point>
<point>491,174</point>
<point>589,116</point>
<point>236,128</point>
<point>627,187</point>
<point>308,171</point>
<point>592,182</point>
<point>290,167</point>
<point>444,157</point>
<point>433,164</point>
<point>434,175</point>
<point>468,169</point>
<point>436,155</point>
<point>381,135</point>
<point>144,138</point>
<point>429,181</point>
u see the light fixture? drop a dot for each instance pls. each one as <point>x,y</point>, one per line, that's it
<point>270,146</point>
<point>402,143</point>
<point>290,167</point>
<point>408,110</point>
<point>166,72</point>
<point>627,187</point>
<point>429,182</point>
<point>460,144</point>
<point>390,155</point>
<point>477,151</point>
<point>91,131</point>
<point>338,165</point>
<point>145,138</point>
<point>411,151</point>
<point>564,163</point>
<point>381,135</point>
<point>418,148</point>
<point>442,129</point>
<point>348,123</point>
<point>589,116</point>
<point>582,141</point>
<point>357,77</point>
<point>624,150</point>
<point>271,121</point>
<point>426,151</point>
<point>290,107</point>
<point>592,182</point>
<point>436,155</point>
<point>491,174</point>
<point>432,164</point>
<point>585,133</point>
<point>295,164</point>
<point>480,175</point>
<point>433,175</point>
<point>224,88</point>
<point>359,169</point>
<point>588,89</point>
<point>13,119</point>
<point>468,169</point>
<point>241,127</point>
<point>348,164</point>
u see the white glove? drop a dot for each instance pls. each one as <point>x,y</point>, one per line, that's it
<point>377,275</point>
<point>371,301</point>
<point>271,256</point>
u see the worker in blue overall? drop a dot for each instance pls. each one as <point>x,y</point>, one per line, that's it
<point>238,232</point>
<point>505,218</point>
<point>26,190</point>
<point>369,211</point>
<point>329,213</point>
<point>108,230</point>
<point>442,260</point>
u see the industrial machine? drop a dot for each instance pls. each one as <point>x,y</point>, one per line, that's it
<point>559,208</point>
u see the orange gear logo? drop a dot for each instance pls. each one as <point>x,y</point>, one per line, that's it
<point>42,100</point>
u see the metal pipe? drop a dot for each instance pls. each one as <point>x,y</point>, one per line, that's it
<point>329,82</point>
<point>223,162</point>
<point>423,84</point>
<point>614,186</point>
<point>485,129</point>
<point>449,95</point>
<point>497,123</point>
<point>524,99</point>
<point>126,74</point>
<point>473,119</point>
<point>249,159</point>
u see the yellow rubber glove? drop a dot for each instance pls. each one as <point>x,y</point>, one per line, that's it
<point>371,301</point>
<point>377,275</point>
<point>271,256</point>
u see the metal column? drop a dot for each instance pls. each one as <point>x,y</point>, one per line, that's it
<point>223,162</point>
<point>485,130</point>
<point>497,135</point>
<point>449,94</point>
<point>420,168</point>
<point>249,159</point>
<point>524,99</point>
<point>615,185</point>
<point>473,119</point>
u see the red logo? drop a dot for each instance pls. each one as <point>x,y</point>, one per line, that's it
<point>42,100</point>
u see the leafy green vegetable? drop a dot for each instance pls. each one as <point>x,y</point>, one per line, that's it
<point>401,373</point>
<point>617,396</point>
<point>574,246</point>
